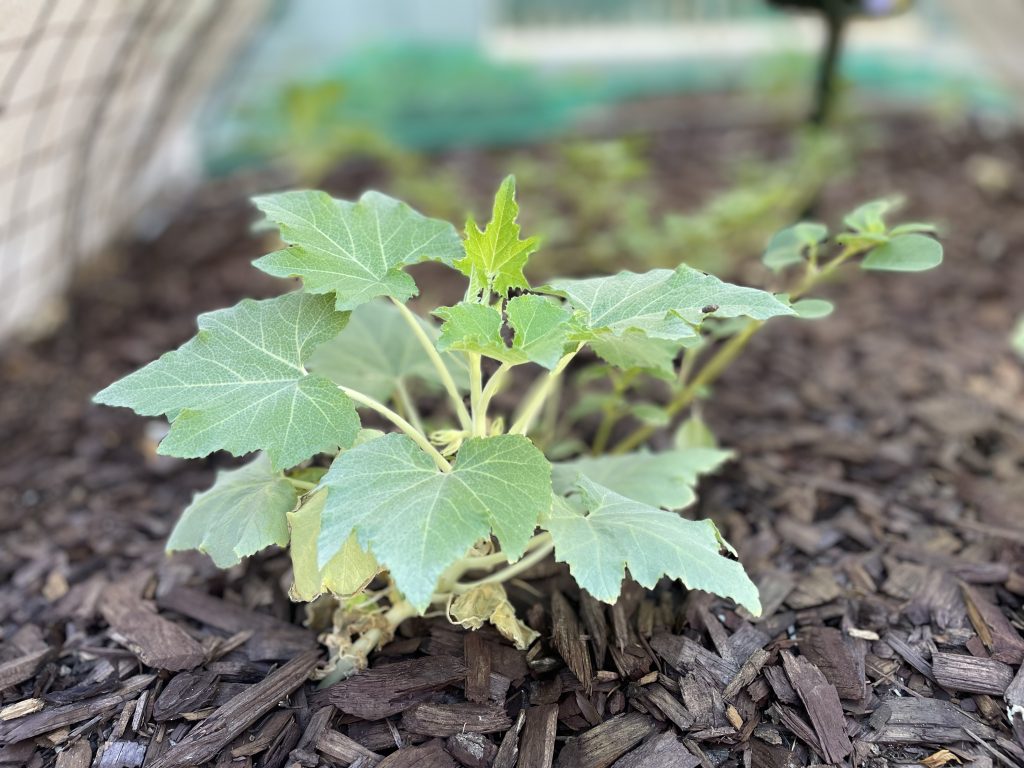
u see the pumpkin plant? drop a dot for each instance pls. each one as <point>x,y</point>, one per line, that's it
<point>442,507</point>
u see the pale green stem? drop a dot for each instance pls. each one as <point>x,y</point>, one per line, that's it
<point>541,551</point>
<point>355,657</point>
<point>493,386</point>
<point>301,485</point>
<point>476,389</point>
<point>418,437</point>
<point>540,394</point>
<point>408,406</point>
<point>442,370</point>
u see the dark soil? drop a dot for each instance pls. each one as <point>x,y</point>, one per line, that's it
<point>877,503</point>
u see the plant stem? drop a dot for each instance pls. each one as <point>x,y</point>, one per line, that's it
<point>442,370</point>
<point>708,374</point>
<point>493,386</point>
<point>476,389</point>
<point>418,437</point>
<point>301,485</point>
<point>408,406</point>
<point>356,656</point>
<point>542,549</point>
<point>540,394</point>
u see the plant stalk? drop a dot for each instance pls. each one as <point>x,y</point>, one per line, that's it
<point>544,547</point>
<point>409,408</point>
<point>533,405</point>
<point>442,370</point>
<point>418,437</point>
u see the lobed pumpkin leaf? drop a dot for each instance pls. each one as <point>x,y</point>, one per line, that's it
<point>600,533</point>
<point>240,384</point>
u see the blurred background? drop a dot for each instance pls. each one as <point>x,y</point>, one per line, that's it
<point>642,133</point>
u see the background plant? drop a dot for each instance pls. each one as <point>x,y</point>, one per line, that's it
<point>453,502</point>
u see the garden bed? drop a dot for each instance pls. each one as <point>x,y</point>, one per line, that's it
<point>876,504</point>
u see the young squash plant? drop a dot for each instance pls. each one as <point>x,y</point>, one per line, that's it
<point>446,506</point>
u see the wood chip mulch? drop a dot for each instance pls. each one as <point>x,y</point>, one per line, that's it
<point>877,503</point>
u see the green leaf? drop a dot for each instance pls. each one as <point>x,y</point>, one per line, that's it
<point>540,330</point>
<point>911,227</point>
<point>635,351</point>
<point>870,217</point>
<point>813,309</point>
<point>417,521</point>
<point>905,253</point>
<point>472,327</point>
<point>495,256</point>
<point>662,303</point>
<point>243,512</point>
<point>354,250</point>
<point>694,433</point>
<point>663,479</point>
<point>240,385</point>
<point>377,349</point>
<point>790,245</point>
<point>348,572</point>
<point>615,533</point>
<point>1017,337</point>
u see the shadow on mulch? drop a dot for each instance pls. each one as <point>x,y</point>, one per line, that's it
<point>877,503</point>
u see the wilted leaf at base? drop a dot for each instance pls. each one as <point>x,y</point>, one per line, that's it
<point>600,534</point>
<point>243,512</point>
<point>489,602</point>
<point>349,571</point>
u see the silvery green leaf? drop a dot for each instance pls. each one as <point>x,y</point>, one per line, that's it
<point>905,253</point>
<point>355,251</point>
<point>240,384</point>
<point>790,246</point>
<point>243,512</point>
<point>417,520</point>
<point>600,534</point>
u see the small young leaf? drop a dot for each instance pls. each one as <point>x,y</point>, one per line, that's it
<point>813,309</point>
<point>540,329</point>
<point>651,413</point>
<point>870,217</point>
<point>243,512</point>
<point>495,256</point>
<point>659,479</point>
<point>472,327</point>
<point>489,603</point>
<point>789,245</point>
<point>239,385</point>
<point>354,250</point>
<point>911,227</point>
<point>377,349</point>
<point>417,520</point>
<point>905,253</point>
<point>349,571</point>
<point>662,303</point>
<point>615,533</point>
<point>1017,337</point>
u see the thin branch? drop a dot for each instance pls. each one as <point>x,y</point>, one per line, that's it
<point>418,437</point>
<point>442,370</point>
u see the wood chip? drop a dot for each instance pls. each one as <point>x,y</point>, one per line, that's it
<point>387,690</point>
<point>568,639</point>
<point>537,744</point>
<point>157,642</point>
<point>432,719</point>
<point>478,668</point>
<point>344,750</point>
<point>959,672</point>
<point>431,755</point>
<point>662,750</point>
<point>57,717</point>
<point>840,659</point>
<point>20,709</point>
<point>683,655</point>
<point>600,747</point>
<point>909,720</point>
<point>822,703</point>
<point>271,640</point>
<point>217,731</point>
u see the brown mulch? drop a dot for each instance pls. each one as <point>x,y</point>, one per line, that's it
<point>876,502</point>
